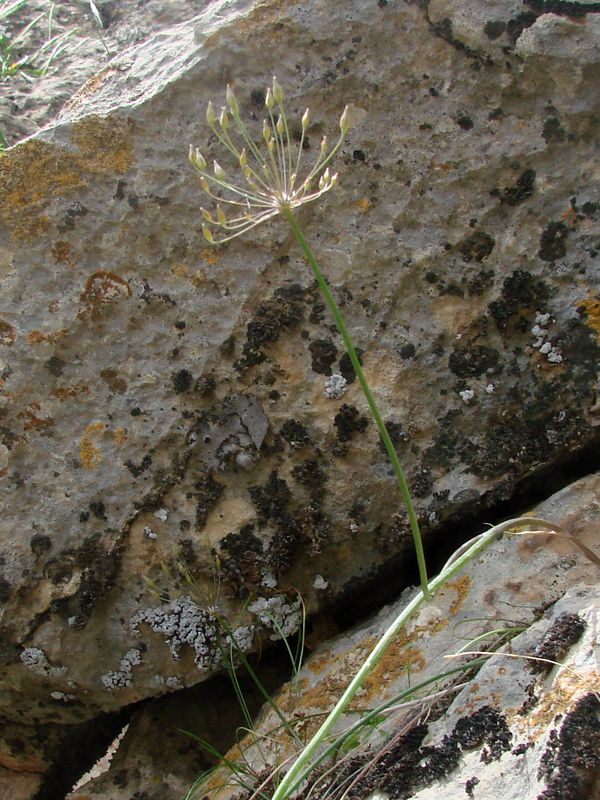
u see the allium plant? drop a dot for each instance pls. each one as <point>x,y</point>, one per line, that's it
<point>272,184</point>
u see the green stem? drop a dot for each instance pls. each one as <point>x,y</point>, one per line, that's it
<point>385,437</point>
<point>300,769</point>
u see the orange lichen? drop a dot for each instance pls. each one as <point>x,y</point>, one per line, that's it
<point>89,452</point>
<point>63,392</point>
<point>101,288</point>
<point>37,337</point>
<point>62,254</point>
<point>461,586</point>
<point>7,333</point>
<point>363,204</point>
<point>33,421</point>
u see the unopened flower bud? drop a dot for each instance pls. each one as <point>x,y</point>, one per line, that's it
<point>277,90</point>
<point>271,146</point>
<point>207,233</point>
<point>221,218</point>
<point>269,99</point>
<point>218,170</point>
<point>223,119</point>
<point>280,126</point>
<point>205,185</point>
<point>305,120</point>
<point>323,144</point>
<point>345,121</point>
<point>231,100</point>
<point>266,131</point>
<point>211,117</point>
<point>197,158</point>
<point>206,215</point>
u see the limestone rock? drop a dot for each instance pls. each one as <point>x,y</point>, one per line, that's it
<point>502,735</point>
<point>167,448</point>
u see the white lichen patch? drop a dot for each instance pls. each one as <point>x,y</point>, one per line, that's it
<point>541,341</point>
<point>466,395</point>
<point>35,659</point>
<point>183,622</point>
<point>320,583</point>
<point>123,677</point>
<point>335,386</point>
<point>277,614</point>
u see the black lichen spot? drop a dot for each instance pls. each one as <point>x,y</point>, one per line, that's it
<point>73,213</point>
<point>239,544</point>
<point>476,247</point>
<point>207,492</point>
<point>309,474</point>
<point>271,500</point>
<point>185,553</point>
<point>359,155</point>
<point>553,130</point>
<point>553,241</point>
<point>494,28</point>
<point>257,96</point>
<point>98,509</point>
<point>408,351</point>
<point>524,188</point>
<point>324,353</point>
<point>227,346</point>
<point>470,786</point>
<point>472,360</point>
<point>485,726</point>
<point>396,433</point>
<point>39,544</point>
<point>55,365</point>
<point>464,122</point>
<point>347,421</point>
<point>4,590</point>
<point>295,434</point>
<point>519,291</point>
<point>137,469</point>
<point>346,368</point>
<point>269,319</point>
<point>182,381</point>
<point>481,282</point>
<point>516,25</point>
<point>571,761</point>
<point>421,482</point>
<point>205,385</point>
<point>565,631</point>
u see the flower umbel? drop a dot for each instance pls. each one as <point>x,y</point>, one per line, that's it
<point>273,178</point>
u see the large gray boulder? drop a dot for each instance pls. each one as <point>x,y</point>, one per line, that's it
<point>163,409</point>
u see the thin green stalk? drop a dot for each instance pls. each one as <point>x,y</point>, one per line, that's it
<point>303,764</point>
<point>385,437</point>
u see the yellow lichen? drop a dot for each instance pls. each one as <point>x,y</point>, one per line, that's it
<point>591,306</point>
<point>104,143</point>
<point>119,436</point>
<point>89,452</point>
<point>210,256</point>
<point>363,204</point>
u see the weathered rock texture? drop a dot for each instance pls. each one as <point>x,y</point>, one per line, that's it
<point>499,724</point>
<point>163,416</point>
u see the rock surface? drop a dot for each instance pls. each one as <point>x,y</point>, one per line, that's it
<point>163,416</point>
<point>507,710</point>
